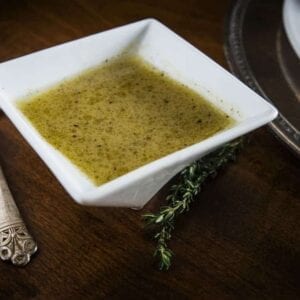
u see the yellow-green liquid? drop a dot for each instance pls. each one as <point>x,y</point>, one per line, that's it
<point>121,115</point>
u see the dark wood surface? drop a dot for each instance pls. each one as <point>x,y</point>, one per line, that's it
<point>240,240</point>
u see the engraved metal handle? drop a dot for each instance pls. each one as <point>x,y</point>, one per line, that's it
<point>16,244</point>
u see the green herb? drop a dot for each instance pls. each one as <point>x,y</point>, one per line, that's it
<point>182,195</point>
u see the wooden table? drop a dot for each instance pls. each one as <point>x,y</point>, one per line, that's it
<point>241,239</point>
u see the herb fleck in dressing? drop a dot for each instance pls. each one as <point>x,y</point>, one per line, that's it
<point>121,115</point>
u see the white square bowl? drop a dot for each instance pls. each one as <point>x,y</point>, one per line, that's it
<point>168,52</point>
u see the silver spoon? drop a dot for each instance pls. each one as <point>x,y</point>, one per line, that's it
<point>16,244</point>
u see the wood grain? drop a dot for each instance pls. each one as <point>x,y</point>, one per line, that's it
<point>241,239</point>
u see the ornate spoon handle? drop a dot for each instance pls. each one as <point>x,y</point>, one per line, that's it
<point>16,244</point>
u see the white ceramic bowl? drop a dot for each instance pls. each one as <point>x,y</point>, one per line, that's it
<point>291,22</point>
<point>167,51</point>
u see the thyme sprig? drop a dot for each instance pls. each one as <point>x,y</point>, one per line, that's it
<point>183,194</point>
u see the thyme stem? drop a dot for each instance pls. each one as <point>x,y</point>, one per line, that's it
<point>183,194</point>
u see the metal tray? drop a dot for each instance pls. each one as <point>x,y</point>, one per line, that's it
<point>259,53</point>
